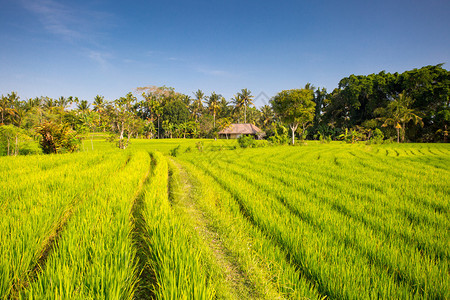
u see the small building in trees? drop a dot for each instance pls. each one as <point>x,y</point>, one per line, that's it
<point>234,131</point>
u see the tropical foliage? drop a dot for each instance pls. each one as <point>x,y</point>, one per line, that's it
<point>411,106</point>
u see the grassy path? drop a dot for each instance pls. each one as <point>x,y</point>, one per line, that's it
<point>263,268</point>
<point>236,283</point>
<point>146,277</point>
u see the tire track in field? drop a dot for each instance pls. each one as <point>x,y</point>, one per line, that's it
<point>146,276</point>
<point>238,283</point>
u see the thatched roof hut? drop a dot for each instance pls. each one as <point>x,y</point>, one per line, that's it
<point>236,130</point>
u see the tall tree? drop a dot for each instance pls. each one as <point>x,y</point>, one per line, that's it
<point>99,108</point>
<point>429,86</point>
<point>99,103</point>
<point>267,116</point>
<point>224,108</point>
<point>319,98</point>
<point>197,105</point>
<point>83,106</point>
<point>310,86</point>
<point>49,104</point>
<point>398,113</point>
<point>214,105</point>
<point>294,107</point>
<point>155,98</point>
<point>20,112</point>
<point>243,99</point>
<point>7,107</point>
<point>176,112</point>
<point>124,117</point>
<point>63,102</point>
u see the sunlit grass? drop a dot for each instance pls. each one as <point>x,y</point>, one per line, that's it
<point>337,220</point>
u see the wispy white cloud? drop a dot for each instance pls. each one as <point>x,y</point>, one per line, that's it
<point>54,17</point>
<point>99,57</point>
<point>73,24</point>
<point>70,23</point>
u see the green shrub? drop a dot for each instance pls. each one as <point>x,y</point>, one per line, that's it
<point>261,143</point>
<point>378,136</point>
<point>199,146</point>
<point>324,139</point>
<point>57,138</point>
<point>246,141</point>
<point>17,141</point>
<point>30,147</point>
<point>174,152</point>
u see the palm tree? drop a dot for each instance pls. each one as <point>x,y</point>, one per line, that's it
<point>4,101</point>
<point>60,106</point>
<point>153,105</point>
<point>99,103</point>
<point>185,99</point>
<point>63,102</point>
<point>214,105</point>
<point>197,105</point>
<point>20,112</point>
<point>183,127</point>
<point>267,116</point>
<point>243,99</point>
<point>49,103</point>
<point>35,109</point>
<point>310,87</point>
<point>169,128</point>
<point>398,113</point>
<point>238,103</point>
<point>32,103</point>
<point>83,106</point>
<point>7,106</point>
<point>224,108</point>
<point>99,107</point>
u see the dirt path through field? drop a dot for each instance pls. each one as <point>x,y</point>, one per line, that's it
<point>146,275</point>
<point>236,282</point>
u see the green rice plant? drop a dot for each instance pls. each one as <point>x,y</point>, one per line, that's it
<point>32,209</point>
<point>260,258</point>
<point>177,268</point>
<point>358,214</point>
<point>94,257</point>
<point>350,221</point>
<point>419,269</point>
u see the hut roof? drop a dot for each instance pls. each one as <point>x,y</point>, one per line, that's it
<point>241,129</point>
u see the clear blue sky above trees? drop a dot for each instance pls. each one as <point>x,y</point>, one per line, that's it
<point>84,48</point>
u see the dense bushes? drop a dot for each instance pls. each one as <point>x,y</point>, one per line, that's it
<point>246,141</point>
<point>17,141</point>
<point>57,138</point>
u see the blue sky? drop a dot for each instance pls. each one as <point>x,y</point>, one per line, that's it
<point>84,48</point>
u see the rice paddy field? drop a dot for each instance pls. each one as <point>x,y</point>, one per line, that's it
<point>214,221</point>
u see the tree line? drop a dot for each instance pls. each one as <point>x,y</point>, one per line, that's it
<point>410,106</point>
